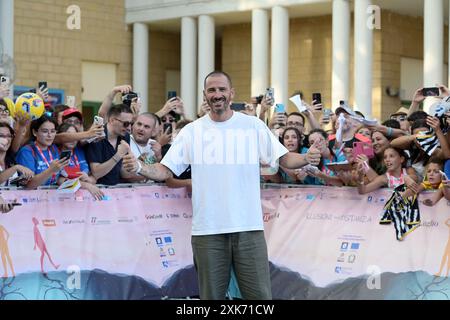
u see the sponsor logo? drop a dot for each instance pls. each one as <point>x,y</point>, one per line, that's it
<point>153,216</point>
<point>351,258</point>
<point>341,258</point>
<point>95,221</point>
<point>171,251</point>
<point>158,241</point>
<point>168,239</point>
<point>269,216</point>
<point>49,222</point>
<point>344,245</point>
<point>355,246</point>
<point>74,221</point>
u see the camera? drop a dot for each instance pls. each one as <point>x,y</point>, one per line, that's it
<point>127,98</point>
<point>259,99</point>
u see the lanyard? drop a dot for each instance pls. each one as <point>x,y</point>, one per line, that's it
<point>75,159</point>
<point>46,161</point>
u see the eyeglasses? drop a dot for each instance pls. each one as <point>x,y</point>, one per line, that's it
<point>70,121</point>
<point>398,118</point>
<point>125,124</point>
<point>4,111</point>
<point>168,120</point>
<point>294,124</point>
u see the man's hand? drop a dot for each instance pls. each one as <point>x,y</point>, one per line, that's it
<point>156,147</point>
<point>124,89</point>
<point>123,149</point>
<point>313,155</point>
<point>418,96</point>
<point>130,163</point>
<point>136,107</point>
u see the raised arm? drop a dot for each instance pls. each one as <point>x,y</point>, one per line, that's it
<point>107,102</point>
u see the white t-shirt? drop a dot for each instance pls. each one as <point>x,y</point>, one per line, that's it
<point>225,161</point>
<point>145,153</point>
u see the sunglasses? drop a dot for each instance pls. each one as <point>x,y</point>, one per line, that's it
<point>125,124</point>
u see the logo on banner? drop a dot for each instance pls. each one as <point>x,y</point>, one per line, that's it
<point>75,221</point>
<point>168,239</point>
<point>344,245</point>
<point>355,246</point>
<point>95,221</point>
<point>269,216</point>
<point>49,223</point>
<point>171,251</point>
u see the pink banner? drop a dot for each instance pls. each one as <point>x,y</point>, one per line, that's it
<point>321,239</point>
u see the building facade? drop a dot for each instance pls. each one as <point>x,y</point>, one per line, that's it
<point>371,53</point>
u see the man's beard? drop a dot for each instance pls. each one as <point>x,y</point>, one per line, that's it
<point>221,110</point>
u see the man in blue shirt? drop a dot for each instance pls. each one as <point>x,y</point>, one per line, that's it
<point>105,156</point>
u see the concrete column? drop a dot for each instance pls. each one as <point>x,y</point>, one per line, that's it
<point>363,59</point>
<point>280,54</point>
<point>206,43</point>
<point>260,51</point>
<point>433,46</point>
<point>340,85</point>
<point>140,62</point>
<point>7,26</point>
<point>189,66</point>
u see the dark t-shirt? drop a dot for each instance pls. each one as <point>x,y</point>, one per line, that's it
<point>102,151</point>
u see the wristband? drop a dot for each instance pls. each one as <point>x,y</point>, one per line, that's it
<point>139,167</point>
<point>389,132</point>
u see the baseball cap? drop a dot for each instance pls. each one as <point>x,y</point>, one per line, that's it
<point>72,112</point>
<point>345,108</point>
<point>401,110</point>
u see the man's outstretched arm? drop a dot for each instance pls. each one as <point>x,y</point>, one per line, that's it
<point>154,171</point>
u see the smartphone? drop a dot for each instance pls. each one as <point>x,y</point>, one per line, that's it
<point>167,128</point>
<point>65,154</point>
<point>364,148</point>
<point>70,101</point>
<point>318,97</point>
<point>171,94</point>
<point>42,85</point>
<point>237,106</point>
<point>326,113</point>
<point>430,92</point>
<point>270,93</point>
<point>279,108</point>
<point>98,120</point>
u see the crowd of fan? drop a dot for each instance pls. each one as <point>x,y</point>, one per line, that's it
<point>30,151</point>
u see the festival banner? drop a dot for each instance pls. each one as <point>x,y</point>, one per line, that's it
<point>324,243</point>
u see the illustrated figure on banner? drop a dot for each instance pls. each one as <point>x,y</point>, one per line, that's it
<point>4,251</point>
<point>39,242</point>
